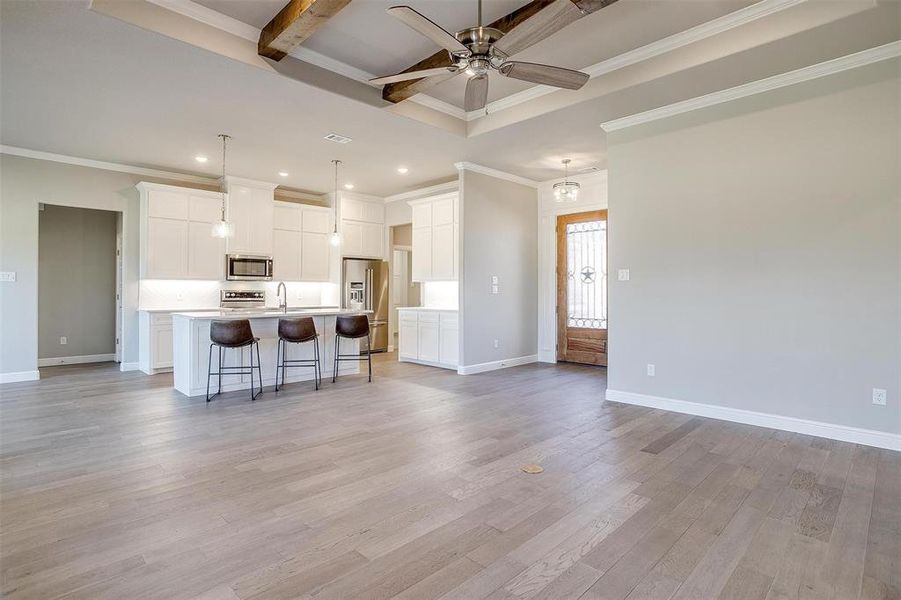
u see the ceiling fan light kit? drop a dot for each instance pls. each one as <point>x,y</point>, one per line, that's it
<point>476,51</point>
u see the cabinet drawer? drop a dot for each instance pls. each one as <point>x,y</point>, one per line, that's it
<point>450,319</point>
<point>408,316</point>
<point>161,319</point>
<point>428,317</point>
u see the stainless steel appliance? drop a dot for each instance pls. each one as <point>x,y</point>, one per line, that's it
<point>248,267</point>
<point>366,288</point>
<point>241,299</point>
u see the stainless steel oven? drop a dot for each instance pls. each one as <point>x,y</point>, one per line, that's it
<point>247,267</point>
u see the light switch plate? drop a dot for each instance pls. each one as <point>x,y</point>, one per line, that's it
<point>652,370</point>
<point>623,275</point>
<point>7,275</point>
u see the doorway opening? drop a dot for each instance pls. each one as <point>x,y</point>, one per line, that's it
<point>404,291</point>
<point>79,285</point>
<point>582,287</point>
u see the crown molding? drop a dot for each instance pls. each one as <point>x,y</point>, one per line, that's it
<point>468,166</point>
<point>694,34</point>
<point>253,183</point>
<point>829,67</point>
<point>106,166</point>
<point>441,106</point>
<point>426,192</point>
<point>146,186</point>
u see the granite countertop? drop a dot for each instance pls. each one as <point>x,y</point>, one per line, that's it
<point>428,308</point>
<point>269,313</point>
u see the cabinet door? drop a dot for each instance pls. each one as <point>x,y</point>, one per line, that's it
<point>372,240</point>
<point>428,341</point>
<point>167,249</point>
<point>449,335</point>
<point>315,256</point>
<point>352,233</point>
<point>351,209</point>
<point>443,212</point>
<point>422,254</point>
<point>240,214</point>
<point>373,213</point>
<point>286,217</point>
<point>206,254</point>
<point>204,209</point>
<point>161,346</point>
<point>316,221</point>
<point>443,252</point>
<point>286,255</point>
<point>422,215</point>
<point>456,251</point>
<point>167,205</point>
<point>408,335</point>
<point>261,236</point>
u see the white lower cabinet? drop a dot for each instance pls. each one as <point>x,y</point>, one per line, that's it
<point>429,336</point>
<point>155,349</point>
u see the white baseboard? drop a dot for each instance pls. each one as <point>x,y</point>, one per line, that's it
<point>497,364</point>
<point>547,356</point>
<point>856,435</point>
<point>19,376</point>
<point>129,366</point>
<point>75,360</point>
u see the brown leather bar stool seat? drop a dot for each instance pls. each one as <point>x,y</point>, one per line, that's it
<point>233,334</point>
<point>297,331</point>
<point>352,327</point>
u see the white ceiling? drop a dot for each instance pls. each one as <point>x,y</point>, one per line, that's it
<point>76,82</point>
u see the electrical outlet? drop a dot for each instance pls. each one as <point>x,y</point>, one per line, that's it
<point>494,289</point>
<point>879,396</point>
<point>623,275</point>
<point>652,371</point>
<point>8,276</point>
<point>497,343</point>
<point>63,340</point>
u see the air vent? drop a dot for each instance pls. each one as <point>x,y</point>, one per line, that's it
<point>341,139</point>
<point>589,170</point>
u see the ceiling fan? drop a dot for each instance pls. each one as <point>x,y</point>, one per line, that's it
<point>476,50</point>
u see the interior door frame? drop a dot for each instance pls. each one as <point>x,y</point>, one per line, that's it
<point>560,236</point>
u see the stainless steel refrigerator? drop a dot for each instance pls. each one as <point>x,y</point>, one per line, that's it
<point>366,288</point>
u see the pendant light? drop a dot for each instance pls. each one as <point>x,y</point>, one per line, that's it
<point>335,238</point>
<point>223,228</point>
<point>566,191</point>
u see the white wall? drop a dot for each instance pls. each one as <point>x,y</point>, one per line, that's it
<point>592,196</point>
<point>498,236</point>
<point>25,182</point>
<point>77,282</point>
<point>763,238</point>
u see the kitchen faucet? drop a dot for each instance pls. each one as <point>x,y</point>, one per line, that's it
<point>282,303</point>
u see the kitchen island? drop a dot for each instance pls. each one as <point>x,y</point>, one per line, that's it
<point>191,347</point>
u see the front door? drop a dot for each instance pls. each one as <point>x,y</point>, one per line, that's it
<point>582,287</point>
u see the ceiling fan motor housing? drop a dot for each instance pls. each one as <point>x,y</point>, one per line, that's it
<point>479,40</point>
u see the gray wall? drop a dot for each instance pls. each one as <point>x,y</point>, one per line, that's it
<point>76,281</point>
<point>499,236</point>
<point>762,237</point>
<point>24,182</point>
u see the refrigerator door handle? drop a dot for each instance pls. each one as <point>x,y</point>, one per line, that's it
<point>368,289</point>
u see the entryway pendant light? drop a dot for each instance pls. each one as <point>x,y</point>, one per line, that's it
<point>566,191</point>
<point>335,238</point>
<point>223,228</point>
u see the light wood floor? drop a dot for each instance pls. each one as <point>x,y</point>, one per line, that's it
<point>115,486</point>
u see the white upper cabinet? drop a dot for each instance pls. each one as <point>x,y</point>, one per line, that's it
<point>435,233</point>
<point>176,233</point>
<point>362,227</point>
<point>250,210</point>
<point>300,245</point>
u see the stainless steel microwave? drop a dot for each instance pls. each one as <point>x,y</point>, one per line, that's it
<point>247,267</point>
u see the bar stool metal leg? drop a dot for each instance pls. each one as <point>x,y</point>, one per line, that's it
<point>369,354</point>
<point>209,370</point>
<point>335,369</point>
<point>317,371</point>
<point>259,367</point>
<point>220,370</point>
<point>278,356</point>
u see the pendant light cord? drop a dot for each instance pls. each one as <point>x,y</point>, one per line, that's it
<point>336,163</point>
<point>225,139</point>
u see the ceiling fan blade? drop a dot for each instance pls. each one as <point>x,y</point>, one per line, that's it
<point>544,74</point>
<point>428,28</point>
<point>413,75</point>
<point>476,93</point>
<point>545,22</point>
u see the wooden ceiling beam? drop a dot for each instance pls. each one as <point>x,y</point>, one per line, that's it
<point>397,92</point>
<point>293,24</point>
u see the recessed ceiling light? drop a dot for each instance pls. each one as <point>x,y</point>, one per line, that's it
<point>201,158</point>
<point>282,173</point>
<point>402,170</point>
<point>348,186</point>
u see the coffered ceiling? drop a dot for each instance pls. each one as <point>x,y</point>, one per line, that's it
<point>151,83</point>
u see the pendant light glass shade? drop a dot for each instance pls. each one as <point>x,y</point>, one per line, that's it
<point>335,238</point>
<point>566,191</point>
<point>223,228</point>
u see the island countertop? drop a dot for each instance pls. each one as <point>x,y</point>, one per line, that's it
<point>269,313</point>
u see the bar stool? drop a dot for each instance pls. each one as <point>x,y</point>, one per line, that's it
<point>233,334</point>
<point>297,331</point>
<point>352,327</point>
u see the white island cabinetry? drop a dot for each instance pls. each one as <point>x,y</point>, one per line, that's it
<point>429,336</point>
